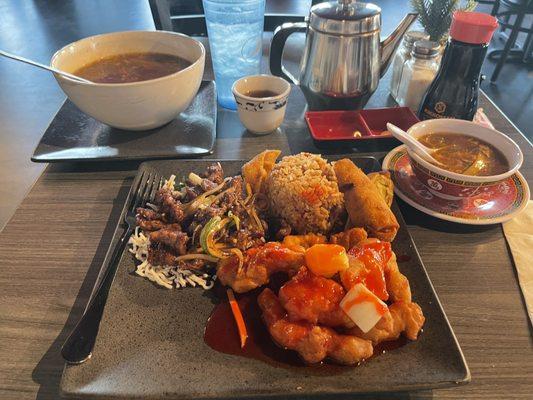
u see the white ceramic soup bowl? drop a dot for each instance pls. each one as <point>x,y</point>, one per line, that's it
<point>136,105</point>
<point>261,115</point>
<point>450,185</point>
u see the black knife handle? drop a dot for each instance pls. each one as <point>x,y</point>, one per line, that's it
<point>79,345</point>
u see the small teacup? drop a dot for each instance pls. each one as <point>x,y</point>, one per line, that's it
<point>261,102</point>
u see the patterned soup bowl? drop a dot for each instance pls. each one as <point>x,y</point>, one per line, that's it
<point>453,186</point>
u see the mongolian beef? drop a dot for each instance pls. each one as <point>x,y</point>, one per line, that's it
<point>326,227</point>
<point>193,224</point>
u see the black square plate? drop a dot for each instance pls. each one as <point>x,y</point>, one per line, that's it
<point>150,343</point>
<point>74,136</point>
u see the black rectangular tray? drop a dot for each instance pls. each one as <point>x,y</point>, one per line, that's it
<point>74,136</point>
<point>150,343</point>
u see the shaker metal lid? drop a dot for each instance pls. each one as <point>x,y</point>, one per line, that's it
<point>412,36</point>
<point>345,17</point>
<point>426,48</point>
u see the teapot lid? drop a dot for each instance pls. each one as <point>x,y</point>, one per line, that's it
<point>345,17</point>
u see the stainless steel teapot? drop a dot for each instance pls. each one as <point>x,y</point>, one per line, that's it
<point>343,57</point>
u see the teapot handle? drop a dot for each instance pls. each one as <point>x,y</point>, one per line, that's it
<point>281,34</point>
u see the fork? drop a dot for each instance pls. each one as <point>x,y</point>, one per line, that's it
<point>79,345</point>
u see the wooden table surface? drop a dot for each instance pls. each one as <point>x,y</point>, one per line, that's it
<point>53,247</point>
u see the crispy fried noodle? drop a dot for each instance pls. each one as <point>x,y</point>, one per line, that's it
<point>166,276</point>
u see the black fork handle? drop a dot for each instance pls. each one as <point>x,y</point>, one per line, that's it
<point>79,345</point>
<point>281,34</point>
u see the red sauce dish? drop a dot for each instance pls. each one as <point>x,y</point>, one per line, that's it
<point>357,125</point>
<point>336,125</point>
<point>376,119</point>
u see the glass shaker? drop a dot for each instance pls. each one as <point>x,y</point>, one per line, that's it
<point>402,55</point>
<point>418,73</point>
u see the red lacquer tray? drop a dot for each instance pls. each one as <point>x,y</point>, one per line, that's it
<point>357,125</point>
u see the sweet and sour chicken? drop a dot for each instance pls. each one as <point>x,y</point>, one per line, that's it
<point>257,265</point>
<point>307,313</point>
<point>313,342</point>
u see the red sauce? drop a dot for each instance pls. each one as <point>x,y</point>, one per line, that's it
<point>375,256</point>
<point>365,297</point>
<point>382,250</point>
<point>221,332</point>
<point>221,335</point>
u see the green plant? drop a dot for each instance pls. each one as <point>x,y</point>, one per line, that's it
<point>436,15</point>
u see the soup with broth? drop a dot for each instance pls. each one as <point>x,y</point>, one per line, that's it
<point>132,67</point>
<point>465,154</point>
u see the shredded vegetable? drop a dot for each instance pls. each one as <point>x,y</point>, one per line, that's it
<point>196,231</point>
<point>240,256</point>
<point>196,256</point>
<point>195,179</point>
<point>236,220</point>
<point>206,236</point>
<point>192,206</point>
<point>249,193</point>
<point>237,315</point>
<point>170,182</point>
<point>211,229</point>
<point>256,219</point>
<point>218,196</point>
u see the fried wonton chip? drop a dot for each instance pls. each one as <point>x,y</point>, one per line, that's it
<point>257,169</point>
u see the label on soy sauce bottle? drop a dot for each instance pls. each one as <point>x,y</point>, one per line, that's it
<point>436,111</point>
<point>440,109</point>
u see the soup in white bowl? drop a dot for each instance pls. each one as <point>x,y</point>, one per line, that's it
<point>133,105</point>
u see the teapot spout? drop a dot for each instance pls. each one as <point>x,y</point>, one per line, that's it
<point>390,44</point>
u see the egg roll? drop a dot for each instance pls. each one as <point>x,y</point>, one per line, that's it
<point>384,184</point>
<point>365,205</point>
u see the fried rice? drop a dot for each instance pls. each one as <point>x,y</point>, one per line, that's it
<point>302,190</point>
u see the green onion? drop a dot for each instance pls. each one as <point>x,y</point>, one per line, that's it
<point>212,225</point>
<point>236,220</point>
<point>211,228</point>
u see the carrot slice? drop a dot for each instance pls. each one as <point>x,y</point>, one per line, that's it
<point>237,315</point>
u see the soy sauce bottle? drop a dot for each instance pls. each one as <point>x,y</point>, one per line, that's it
<point>454,92</point>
